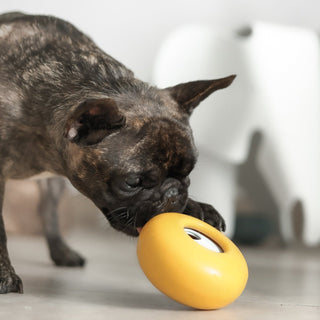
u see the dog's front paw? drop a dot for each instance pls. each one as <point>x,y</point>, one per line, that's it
<point>10,281</point>
<point>63,256</point>
<point>206,213</point>
<point>212,216</point>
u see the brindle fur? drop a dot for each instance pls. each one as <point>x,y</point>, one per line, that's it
<point>70,109</point>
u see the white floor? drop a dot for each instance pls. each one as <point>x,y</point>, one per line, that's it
<point>283,284</point>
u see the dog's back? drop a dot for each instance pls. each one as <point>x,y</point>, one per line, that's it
<point>45,54</point>
<point>47,67</point>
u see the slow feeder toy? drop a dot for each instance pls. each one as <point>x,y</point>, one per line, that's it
<point>191,261</point>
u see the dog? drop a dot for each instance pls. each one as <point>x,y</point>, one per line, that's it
<point>70,109</point>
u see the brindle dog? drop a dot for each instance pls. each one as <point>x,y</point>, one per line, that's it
<point>70,109</point>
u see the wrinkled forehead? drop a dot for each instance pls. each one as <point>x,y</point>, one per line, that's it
<point>162,143</point>
<point>142,104</point>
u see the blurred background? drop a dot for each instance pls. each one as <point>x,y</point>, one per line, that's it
<point>133,32</point>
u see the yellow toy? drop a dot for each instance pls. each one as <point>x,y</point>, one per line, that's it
<point>191,262</point>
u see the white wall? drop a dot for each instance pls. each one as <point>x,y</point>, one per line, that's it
<point>132,30</point>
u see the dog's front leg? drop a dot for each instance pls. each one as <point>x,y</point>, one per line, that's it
<point>9,280</point>
<point>51,190</point>
<point>205,212</point>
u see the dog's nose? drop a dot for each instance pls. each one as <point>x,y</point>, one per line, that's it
<point>171,194</point>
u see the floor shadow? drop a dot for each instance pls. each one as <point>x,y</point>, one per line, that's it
<point>132,298</point>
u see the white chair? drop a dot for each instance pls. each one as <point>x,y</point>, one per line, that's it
<point>277,92</point>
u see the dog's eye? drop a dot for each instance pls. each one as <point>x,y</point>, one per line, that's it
<point>132,183</point>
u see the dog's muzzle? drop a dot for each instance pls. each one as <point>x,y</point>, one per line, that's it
<point>128,218</point>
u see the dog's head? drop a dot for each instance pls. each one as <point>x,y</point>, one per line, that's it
<point>131,152</point>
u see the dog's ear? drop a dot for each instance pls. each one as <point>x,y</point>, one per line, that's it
<point>189,95</point>
<point>93,120</point>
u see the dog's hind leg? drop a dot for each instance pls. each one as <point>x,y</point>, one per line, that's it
<point>51,190</point>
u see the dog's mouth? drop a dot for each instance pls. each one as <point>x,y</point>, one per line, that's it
<point>122,220</point>
<point>131,220</point>
<point>127,220</point>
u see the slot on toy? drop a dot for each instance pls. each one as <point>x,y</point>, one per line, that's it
<point>203,240</point>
